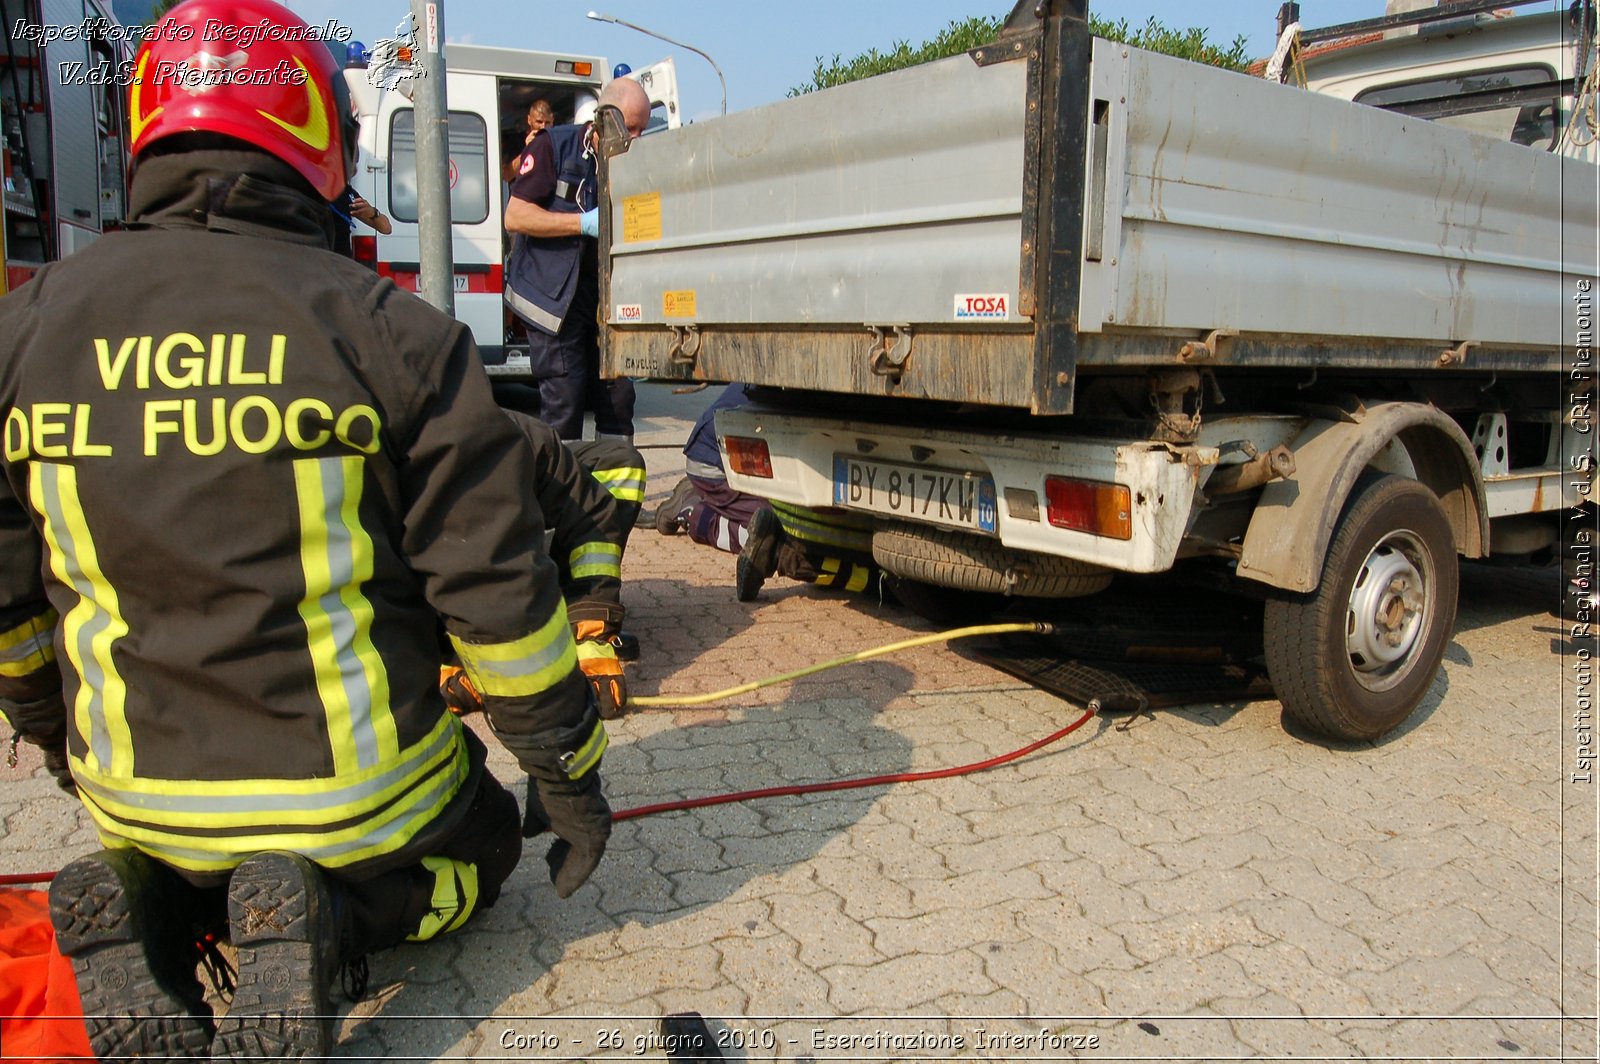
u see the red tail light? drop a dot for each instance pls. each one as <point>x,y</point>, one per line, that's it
<point>1089,506</point>
<point>749,457</point>
<point>365,250</point>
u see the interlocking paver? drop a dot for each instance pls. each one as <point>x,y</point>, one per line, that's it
<point>994,925</point>
<point>1430,985</point>
<point>908,981</point>
<point>1175,983</point>
<point>767,967</point>
<point>1190,935</point>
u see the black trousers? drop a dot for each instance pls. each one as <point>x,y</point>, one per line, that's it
<point>448,887</point>
<point>567,366</point>
<point>460,877</point>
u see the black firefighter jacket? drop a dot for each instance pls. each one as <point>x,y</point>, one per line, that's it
<point>244,477</point>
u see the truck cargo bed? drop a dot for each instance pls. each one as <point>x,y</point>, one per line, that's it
<point>983,228</point>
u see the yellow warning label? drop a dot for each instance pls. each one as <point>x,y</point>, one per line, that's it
<point>677,304</point>
<point>641,218</point>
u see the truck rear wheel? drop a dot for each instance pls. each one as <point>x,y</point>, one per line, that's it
<point>945,605</point>
<point>969,562</point>
<point>1352,659</point>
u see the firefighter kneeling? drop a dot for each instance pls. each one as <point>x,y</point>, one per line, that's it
<point>231,652</point>
<point>591,493</point>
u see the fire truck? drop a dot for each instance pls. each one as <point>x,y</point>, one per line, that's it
<point>63,129</point>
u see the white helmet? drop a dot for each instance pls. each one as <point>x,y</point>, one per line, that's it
<point>584,112</point>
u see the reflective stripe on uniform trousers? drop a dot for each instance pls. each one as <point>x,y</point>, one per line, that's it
<point>829,575</point>
<point>28,647</point>
<point>845,532</point>
<point>595,559</point>
<point>624,482</point>
<point>455,896</point>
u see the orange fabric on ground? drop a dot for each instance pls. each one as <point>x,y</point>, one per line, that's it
<point>36,982</point>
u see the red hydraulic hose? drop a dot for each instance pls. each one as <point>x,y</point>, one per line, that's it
<point>845,785</point>
<point>25,878</point>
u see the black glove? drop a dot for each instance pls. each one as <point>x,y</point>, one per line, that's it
<point>43,723</point>
<point>55,759</point>
<point>581,820</point>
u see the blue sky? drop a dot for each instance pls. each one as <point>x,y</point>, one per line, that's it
<point>763,47</point>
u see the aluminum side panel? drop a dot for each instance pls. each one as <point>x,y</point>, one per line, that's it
<point>878,201</point>
<point>1263,208</point>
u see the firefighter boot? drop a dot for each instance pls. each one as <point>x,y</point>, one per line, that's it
<point>759,559</point>
<point>283,914</point>
<point>672,516</point>
<point>121,917</point>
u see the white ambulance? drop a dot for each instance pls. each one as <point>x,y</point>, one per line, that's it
<point>488,93</point>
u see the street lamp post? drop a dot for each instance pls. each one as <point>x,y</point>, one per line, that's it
<point>662,37</point>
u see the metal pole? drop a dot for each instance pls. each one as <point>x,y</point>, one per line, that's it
<point>433,160</point>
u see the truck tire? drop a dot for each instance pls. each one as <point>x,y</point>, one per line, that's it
<point>945,605</point>
<point>968,562</point>
<point>1353,658</point>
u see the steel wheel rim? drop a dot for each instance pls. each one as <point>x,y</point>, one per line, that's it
<point>1390,605</point>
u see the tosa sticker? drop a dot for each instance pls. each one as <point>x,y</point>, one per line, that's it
<point>630,312</point>
<point>990,307</point>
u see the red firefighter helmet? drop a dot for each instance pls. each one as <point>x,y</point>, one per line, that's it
<point>248,69</point>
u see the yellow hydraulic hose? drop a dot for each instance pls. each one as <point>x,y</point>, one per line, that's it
<point>1036,627</point>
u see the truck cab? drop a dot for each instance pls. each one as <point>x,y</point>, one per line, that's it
<point>1503,75</point>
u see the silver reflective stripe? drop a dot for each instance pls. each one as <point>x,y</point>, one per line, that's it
<point>91,676</point>
<point>278,800</point>
<point>623,482</point>
<point>542,318</point>
<point>336,482</point>
<point>595,559</point>
<point>38,643</point>
<point>499,672</point>
<point>330,855</point>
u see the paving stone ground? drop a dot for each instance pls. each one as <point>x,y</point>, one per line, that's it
<point>1201,885</point>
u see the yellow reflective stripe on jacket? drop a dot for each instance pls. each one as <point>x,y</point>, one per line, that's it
<point>336,556</point>
<point>311,802</point>
<point>844,531</point>
<point>379,826</point>
<point>624,482</point>
<point>577,763</point>
<point>455,896</point>
<point>536,662</point>
<point>595,559</point>
<point>30,646</point>
<point>93,625</point>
